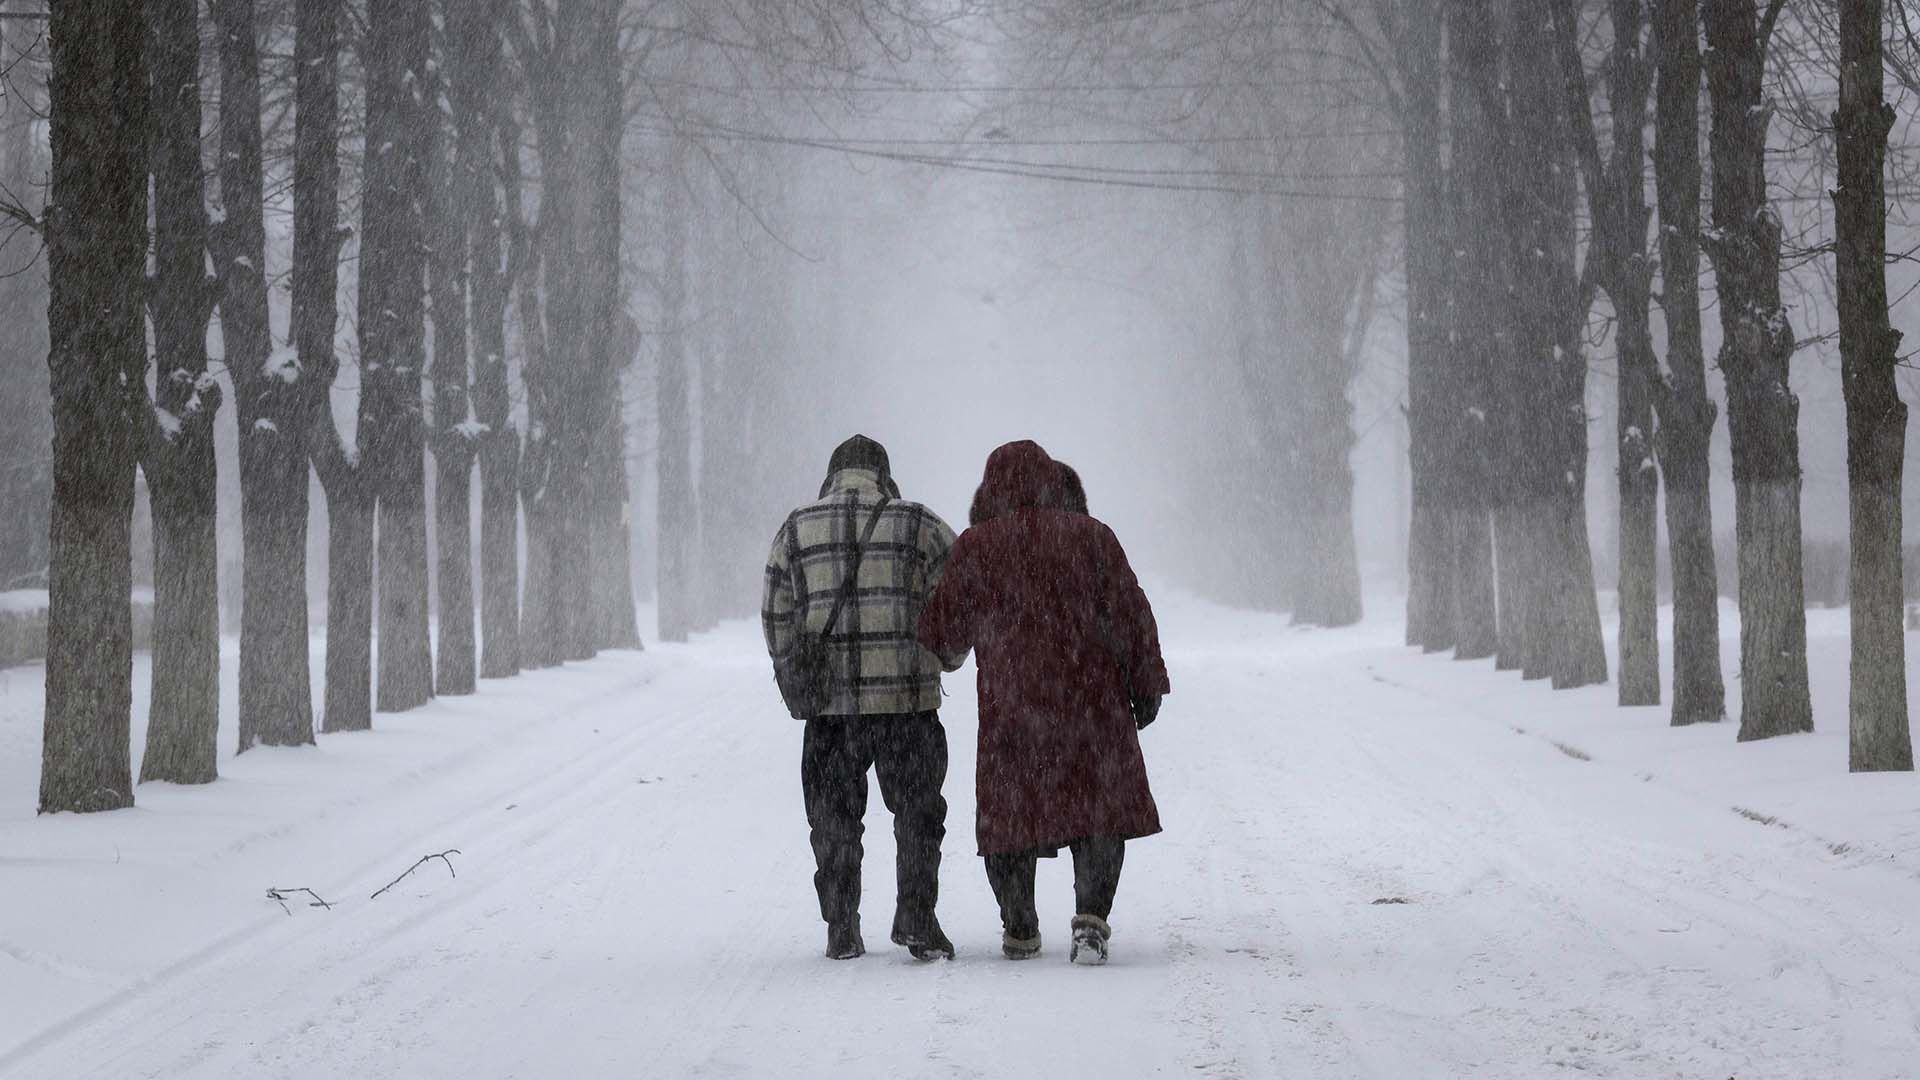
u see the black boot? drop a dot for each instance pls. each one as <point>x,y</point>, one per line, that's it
<point>925,940</point>
<point>843,940</point>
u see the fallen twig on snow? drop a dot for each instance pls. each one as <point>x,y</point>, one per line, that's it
<point>424,859</point>
<point>280,895</point>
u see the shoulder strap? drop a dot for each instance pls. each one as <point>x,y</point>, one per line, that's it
<point>853,572</point>
<point>797,568</point>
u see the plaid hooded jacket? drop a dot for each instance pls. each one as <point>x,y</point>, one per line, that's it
<point>879,667</point>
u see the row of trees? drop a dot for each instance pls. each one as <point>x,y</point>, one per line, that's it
<point>1560,167</point>
<point>1506,161</point>
<point>495,206</point>
<point>444,231</point>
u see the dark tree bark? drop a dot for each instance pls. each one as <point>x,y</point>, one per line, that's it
<point>96,236</point>
<point>674,458</point>
<point>602,585</point>
<point>536,633</point>
<point>1478,346</point>
<point>1686,413</point>
<point>1879,738</point>
<point>1762,412</point>
<point>1616,197</point>
<point>26,478</point>
<point>474,35</point>
<point>276,692</point>
<point>392,340</point>
<point>557,618</point>
<point>317,236</point>
<point>183,722</point>
<point>1417,46</point>
<point>1543,418</point>
<point>457,149</point>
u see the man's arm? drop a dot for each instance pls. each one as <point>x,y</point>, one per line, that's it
<point>778,606</point>
<point>946,623</point>
<point>936,546</point>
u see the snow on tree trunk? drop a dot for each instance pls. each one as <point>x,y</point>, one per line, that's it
<point>275,406</point>
<point>1879,738</point>
<point>316,246</point>
<point>183,723</point>
<point>1685,411</point>
<point>1762,412</point>
<point>96,238</point>
<point>392,342</point>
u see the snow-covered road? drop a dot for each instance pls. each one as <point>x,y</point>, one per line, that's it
<point>1376,865</point>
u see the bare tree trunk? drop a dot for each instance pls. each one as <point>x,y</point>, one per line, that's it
<point>183,722</point>
<point>678,516</point>
<point>474,31</point>
<point>1331,270</point>
<point>1552,314</point>
<point>1629,281</point>
<point>1686,413</point>
<point>603,583</point>
<point>456,150</point>
<point>392,342</point>
<point>1879,738</point>
<point>316,248</point>
<point>275,411</point>
<point>96,236</point>
<point>1479,138</point>
<point>536,634</point>
<point>1762,412</point>
<point>560,387</point>
<point>1616,196</point>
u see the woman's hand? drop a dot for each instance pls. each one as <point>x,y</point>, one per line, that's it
<point>1145,711</point>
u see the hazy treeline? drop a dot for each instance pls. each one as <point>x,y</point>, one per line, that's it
<point>473,308</point>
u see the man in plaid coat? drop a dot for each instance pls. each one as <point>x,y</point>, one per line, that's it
<point>884,712</point>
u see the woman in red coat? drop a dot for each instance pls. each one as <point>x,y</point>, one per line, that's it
<point>1070,669</point>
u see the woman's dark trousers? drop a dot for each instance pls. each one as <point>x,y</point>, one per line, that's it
<point>1096,877</point>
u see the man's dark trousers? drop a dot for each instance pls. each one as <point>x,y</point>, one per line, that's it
<point>909,752</point>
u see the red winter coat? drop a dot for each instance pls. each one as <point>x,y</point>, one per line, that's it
<point>1064,637</point>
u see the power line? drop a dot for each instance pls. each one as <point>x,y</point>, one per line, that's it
<point>1033,170</point>
<point>1035,88</point>
<point>985,143</point>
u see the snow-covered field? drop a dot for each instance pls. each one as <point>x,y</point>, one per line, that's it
<point>1376,864</point>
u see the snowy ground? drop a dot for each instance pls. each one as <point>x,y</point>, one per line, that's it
<point>1581,895</point>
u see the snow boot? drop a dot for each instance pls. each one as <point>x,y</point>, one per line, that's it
<point>928,942</point>
<point>843,940</point>
<point>1019,948</point>
<point>1090,934</point>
